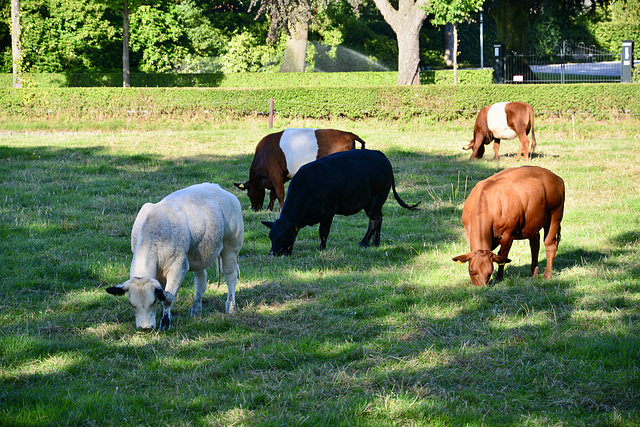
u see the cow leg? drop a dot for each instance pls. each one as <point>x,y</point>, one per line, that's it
<point>325,227</point>
<point>272,200</point>
<point>230,269</point>
<point>375,225</point>
<point>505,247</point>
<point>478,151</point>
<point>524,147</point>
<point>201,286</point>
<point>175,276</point>
<point>496,148</point>
<point>534,244</point>
<point>551,241</point>
<point>278,188</point>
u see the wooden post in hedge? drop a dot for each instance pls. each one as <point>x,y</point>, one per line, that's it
<point>270,113</point>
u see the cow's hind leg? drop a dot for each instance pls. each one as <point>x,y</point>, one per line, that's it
<point>201,287</point>
<point>524,146</point>
<point>375,225</point>
<point>229,260</point>
<point>551,241</point>
<point>534,244</point>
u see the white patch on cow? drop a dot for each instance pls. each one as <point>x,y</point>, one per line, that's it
<point>300,147</point>
<point>497,122</point>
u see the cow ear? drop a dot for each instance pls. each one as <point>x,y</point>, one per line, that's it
<point>240,185</point>
<point>160,294</point>
<point>268,224</point>
<point>117,290</point>
<point>500,260</point>
<point>460,259</point>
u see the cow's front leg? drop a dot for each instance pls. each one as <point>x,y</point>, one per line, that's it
<point>201,287</point>
<point>534,244</point>
<point>478,151</point>
<point>496,148</point>
<point>175,276</point>
<point>505,246</point>
<point>325,227</point>
<point>165,323</point>
<point>272,200</point>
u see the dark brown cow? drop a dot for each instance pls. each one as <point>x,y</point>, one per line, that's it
<point>279,156</point>
<point>514,204</point>
<point>504,120</point>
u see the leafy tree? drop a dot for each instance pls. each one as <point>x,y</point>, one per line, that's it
<point>66,36</point>
<point>454,12</point>
<point>406,21</point>
<point>245,52</point>
<point>611,23</point>
<point>292,18</point>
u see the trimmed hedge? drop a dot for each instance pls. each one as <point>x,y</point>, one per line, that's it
<point>429,102</point>
<point>246,80</point>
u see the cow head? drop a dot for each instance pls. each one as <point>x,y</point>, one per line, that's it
<point>481,265</point>
<point>282,236</point>
<point>255,192</point>
<point>144,294</point>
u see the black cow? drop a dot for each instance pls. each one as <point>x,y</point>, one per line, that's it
<point>342,183</point>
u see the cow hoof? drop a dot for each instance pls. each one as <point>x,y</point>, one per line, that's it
<point>536,271</point>
<point>165,323</point>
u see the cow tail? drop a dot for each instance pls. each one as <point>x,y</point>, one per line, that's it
<point>533,133</point>
<point>357,138</point>
<point>398,199</point>
<point>219,265</point>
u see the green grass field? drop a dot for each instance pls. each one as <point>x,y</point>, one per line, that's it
<point>393,335</point>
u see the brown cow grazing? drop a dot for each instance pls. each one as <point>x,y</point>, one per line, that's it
<point>279,156</point>
<point>504,120</point>
<point>514,204</point>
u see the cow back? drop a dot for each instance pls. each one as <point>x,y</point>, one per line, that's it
<point>517,201</point>
<point>340,183</point>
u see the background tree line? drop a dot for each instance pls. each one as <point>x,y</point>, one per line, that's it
<point>84,36</point>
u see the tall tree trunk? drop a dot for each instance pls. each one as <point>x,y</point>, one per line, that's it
<point>455,54</point>
<point>406,22</point>
<point>295,50</point>
<point>16,48</point>
<point>448,44</point>
<point>126,71</point>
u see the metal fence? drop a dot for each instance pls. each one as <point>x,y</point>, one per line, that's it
<point>573,63</point>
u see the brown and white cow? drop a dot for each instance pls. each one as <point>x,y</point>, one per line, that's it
<point>504,120</point>
<point>514,204</point>
<point>279,156</point>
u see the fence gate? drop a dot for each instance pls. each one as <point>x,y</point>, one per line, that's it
<point>573,63</point>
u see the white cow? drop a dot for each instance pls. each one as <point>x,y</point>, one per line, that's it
<point>186,231</point>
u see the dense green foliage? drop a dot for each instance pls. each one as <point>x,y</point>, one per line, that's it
<point>427,102</point>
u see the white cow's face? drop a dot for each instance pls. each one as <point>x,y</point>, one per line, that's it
<point>144,294</point>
